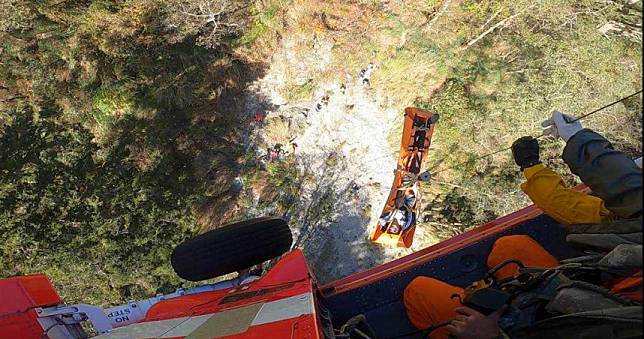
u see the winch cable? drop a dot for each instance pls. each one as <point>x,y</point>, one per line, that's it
<point>540,136</point>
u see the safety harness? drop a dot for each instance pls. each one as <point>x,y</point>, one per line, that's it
<point>569,301</point>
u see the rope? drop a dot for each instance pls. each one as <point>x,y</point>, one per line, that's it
<point>609,105</point>
<point>540,136</point>
<point>474,159</point>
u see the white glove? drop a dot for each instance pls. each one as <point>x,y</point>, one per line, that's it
<point>560,126</point>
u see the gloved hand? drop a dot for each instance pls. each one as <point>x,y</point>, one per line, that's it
<point>560,126</point>
<point>526,152</point>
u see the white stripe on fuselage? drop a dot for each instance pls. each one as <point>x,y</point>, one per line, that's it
<point>283,309</point>
<point>263,313</point>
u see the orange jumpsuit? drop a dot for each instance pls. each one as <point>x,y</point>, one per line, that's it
<point>428,301</point>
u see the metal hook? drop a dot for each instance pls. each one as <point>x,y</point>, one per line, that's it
<point>457,296</point>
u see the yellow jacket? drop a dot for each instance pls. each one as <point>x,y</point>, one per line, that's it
<point>547,191</point>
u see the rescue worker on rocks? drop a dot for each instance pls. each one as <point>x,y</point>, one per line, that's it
<point>609,223</point>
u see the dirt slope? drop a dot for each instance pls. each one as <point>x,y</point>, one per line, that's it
<point>346,154</point>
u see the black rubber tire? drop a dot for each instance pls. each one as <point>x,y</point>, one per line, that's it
<point>231,248</point>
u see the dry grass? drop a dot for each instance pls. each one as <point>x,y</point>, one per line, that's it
<point>278,131</point>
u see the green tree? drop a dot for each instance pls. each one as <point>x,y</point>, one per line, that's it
<point>108,117</point>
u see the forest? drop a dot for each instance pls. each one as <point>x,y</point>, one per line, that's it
<point>125,123</point>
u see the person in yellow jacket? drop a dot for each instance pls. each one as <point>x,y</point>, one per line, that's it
<point>547,190</point>
<point>609,173</point>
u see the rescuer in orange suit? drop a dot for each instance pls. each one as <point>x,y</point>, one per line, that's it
<point>615,180</point>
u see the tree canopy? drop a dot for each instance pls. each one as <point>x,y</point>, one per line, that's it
<point>110,126</point>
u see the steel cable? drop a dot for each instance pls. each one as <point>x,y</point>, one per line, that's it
<point>540,136</point>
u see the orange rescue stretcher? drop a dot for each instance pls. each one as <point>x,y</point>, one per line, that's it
<point>397,222</point>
